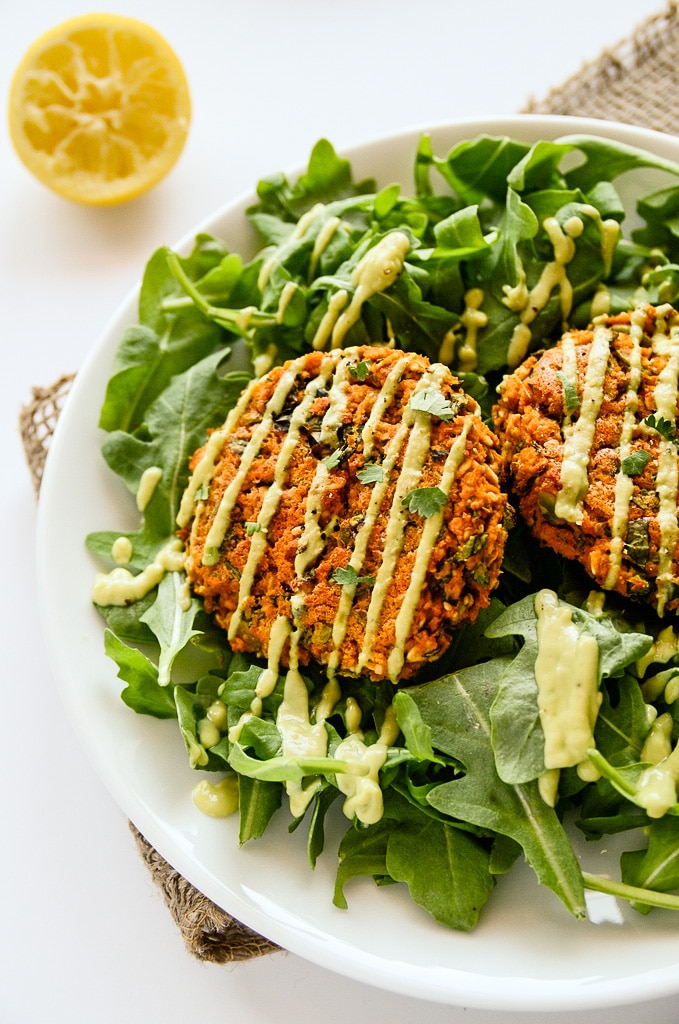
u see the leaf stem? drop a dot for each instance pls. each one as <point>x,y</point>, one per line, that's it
<point>240,321</point>
<point>616,778</point>
<point>650,897</point>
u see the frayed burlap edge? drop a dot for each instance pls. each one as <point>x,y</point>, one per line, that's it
<point>37,421</point>
<point>636,82</point>
<point>209,933</point>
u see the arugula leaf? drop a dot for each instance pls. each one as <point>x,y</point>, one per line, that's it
<point>518,738</point>
<point>417,324</point>
<point>239,687</point>
<point>461,235</point>
<point>416,732</point>
<point>641,898</point>
<point>143,693</point>
<point>176,424</point>
<point>125,620</point>
<point>656,867</point>
<point>479,168</point>
<point>144,548</point>
<point>328,177</point>
<point>660,211</point>
<point>231,318</point>
<point>283,768</point>
<point>151,353</point>
<point>191,708</point>
<point>519,258</point>
<point>627,779</point>
<point>323,800</point>
<point>662,283</point>
<point>447,870</point>
<point>171,623</point>
<point>258,801</point>
<point>622,723</point>
<point>361,852</point>
<point>605,160</point>
<point>261,736</point>
<point>457,708</point>
<point>418,852</point>
<point>539,169</point>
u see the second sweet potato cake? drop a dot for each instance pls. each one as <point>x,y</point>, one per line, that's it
<point>588,431</point>
<point>349,511</point>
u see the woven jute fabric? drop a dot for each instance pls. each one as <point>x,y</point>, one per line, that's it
<point>209,932</point>
<point>37,421</point>
<point>636,82</point>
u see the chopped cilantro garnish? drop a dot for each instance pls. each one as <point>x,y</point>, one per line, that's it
<point>371,474</point>
<point>336,457</point>
<point>666,428</point>
<point>426,501</point>
<point>432,401</point>
<point>349,577</point>
<point>635,463</point>
<point>251,528</point>
<point>361,370</point>
<point>202,493</point>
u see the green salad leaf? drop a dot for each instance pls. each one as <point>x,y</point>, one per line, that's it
<point>166,342</point>
<point>518,738</point>
<point>171,622</point>
<point>657,866</point>
<point>460,704</point>
<point>416,851</point>
<point>143,692</point>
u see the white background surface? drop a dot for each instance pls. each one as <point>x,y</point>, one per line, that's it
<point>84,935</point>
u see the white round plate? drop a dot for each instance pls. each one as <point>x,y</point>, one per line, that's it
<point>527,953</point>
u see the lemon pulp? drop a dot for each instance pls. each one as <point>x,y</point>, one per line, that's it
<point>99,108</point>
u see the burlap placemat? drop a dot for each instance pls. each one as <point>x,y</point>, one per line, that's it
<point>636,82</point>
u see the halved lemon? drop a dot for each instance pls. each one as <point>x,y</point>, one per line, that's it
<point>99,108</point>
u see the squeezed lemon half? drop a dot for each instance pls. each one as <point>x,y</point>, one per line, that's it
<point>99,108</point>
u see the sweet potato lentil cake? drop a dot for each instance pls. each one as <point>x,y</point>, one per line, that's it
<point>349,511</point>
<point>588,431</point>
